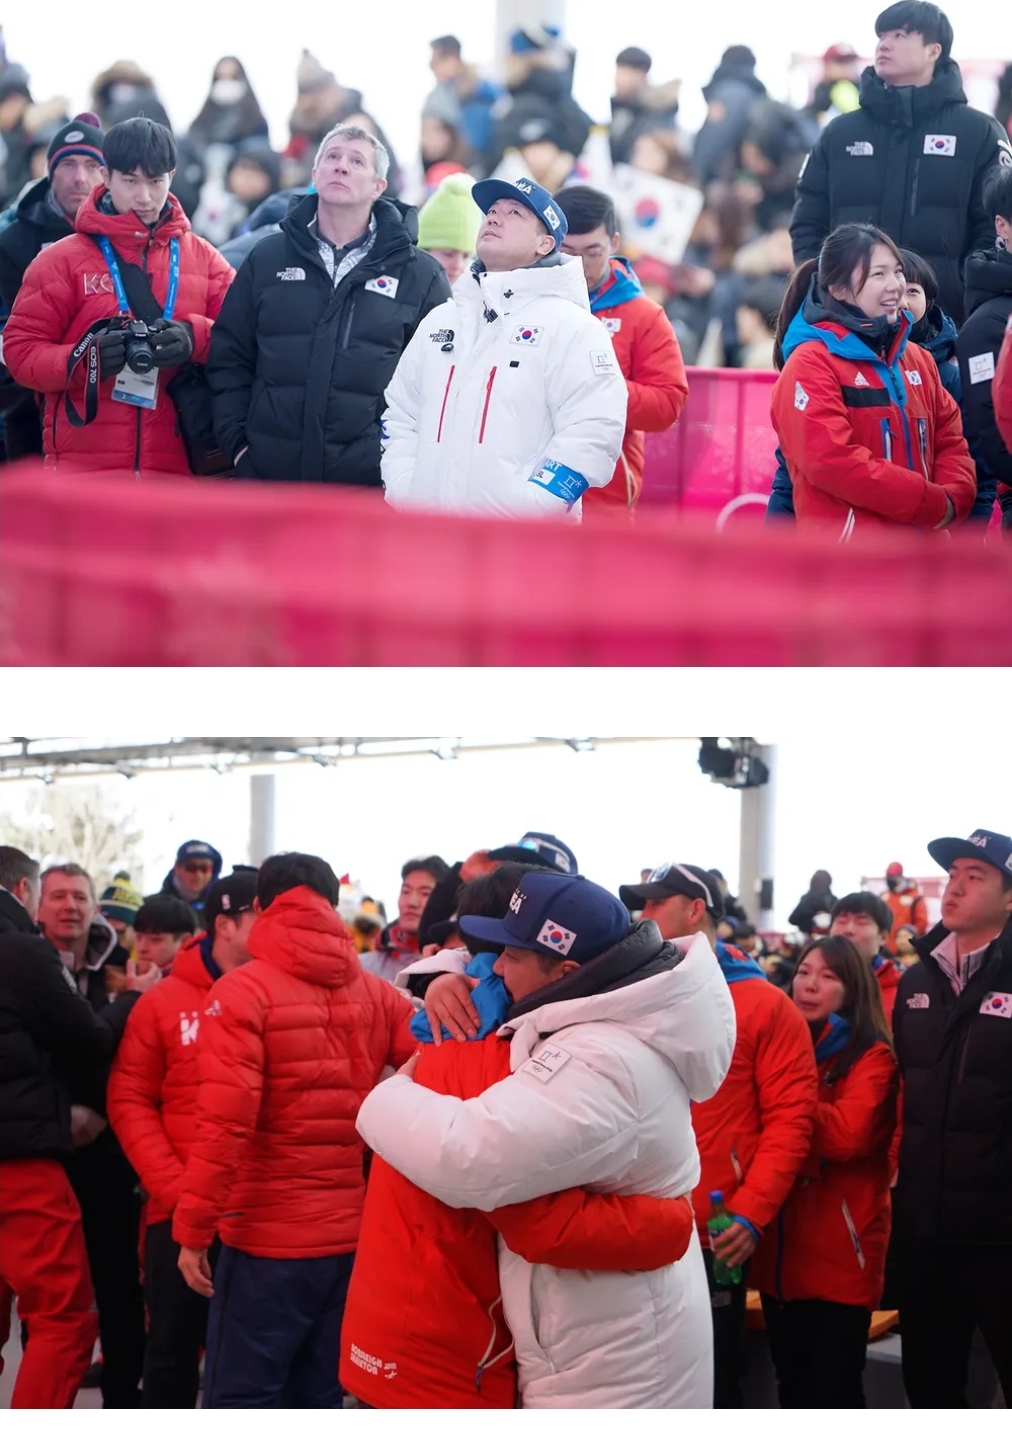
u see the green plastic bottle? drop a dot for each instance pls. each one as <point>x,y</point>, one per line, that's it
<point>719,1221</point>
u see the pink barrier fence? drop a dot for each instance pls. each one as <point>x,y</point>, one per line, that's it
<point>722,446</point>
<point>108,571</point>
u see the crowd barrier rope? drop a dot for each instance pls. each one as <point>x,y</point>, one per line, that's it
<point>104,570</point>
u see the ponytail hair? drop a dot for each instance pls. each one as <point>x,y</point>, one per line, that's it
<point>846,251</point>
<point>794,295</point>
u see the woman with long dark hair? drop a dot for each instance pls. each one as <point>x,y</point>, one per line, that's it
<point>231,110</point>
<point>821,1264</point>
<point>870,436</point>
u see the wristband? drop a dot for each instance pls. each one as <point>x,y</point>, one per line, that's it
<point>753,1231</point>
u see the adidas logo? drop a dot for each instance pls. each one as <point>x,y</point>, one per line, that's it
<point>861,381</point>
<point>292,275</point>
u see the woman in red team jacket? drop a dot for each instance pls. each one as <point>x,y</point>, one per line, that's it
<point>870,436</point>
<point>821,1264</point>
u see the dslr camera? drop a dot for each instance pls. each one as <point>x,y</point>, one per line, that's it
<point>140,355</point>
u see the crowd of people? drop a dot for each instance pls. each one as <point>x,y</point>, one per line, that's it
<point>202,305</point>
<point>528,1144</point>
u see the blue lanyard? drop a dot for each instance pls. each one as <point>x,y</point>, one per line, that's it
<point>108,253</point>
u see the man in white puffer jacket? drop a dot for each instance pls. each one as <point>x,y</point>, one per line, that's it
<point>613,1032</point>
<point>509,399</point>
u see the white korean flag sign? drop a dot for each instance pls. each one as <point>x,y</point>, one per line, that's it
<point>656,217</point>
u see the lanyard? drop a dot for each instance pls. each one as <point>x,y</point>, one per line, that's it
<point>108,253</point>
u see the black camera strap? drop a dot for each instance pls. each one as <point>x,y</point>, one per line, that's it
<point>143,305</point>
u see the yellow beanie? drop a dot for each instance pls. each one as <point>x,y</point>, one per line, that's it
<point>451,217</point>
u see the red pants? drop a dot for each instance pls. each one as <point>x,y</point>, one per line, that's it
<point>44,1262</point>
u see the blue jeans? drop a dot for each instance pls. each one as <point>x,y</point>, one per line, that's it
<point>274,1332</point>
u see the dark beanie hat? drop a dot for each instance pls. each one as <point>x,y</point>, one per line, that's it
<point>82,135</point>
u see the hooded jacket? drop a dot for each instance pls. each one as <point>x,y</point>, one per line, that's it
<point>603,1073</point>
<point>152,1092</point>
<point>650,358</point>
<point>914,162</point>
<point>829,1240</point>
<point>730,97</point>
<point>754,1134</point>
<point>65,291</point>
<point>955,1054</point>
<point>988,309</point>
<point>439,1323</point>
<point>871,438</point>
<point>508,400</point>
<point>47,1031</point>
<point>298,367</point>
<point>176,889</point>
<point>290,1045</point>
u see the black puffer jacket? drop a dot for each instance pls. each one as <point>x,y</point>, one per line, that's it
<point>955,1054</point>
<point>988,309</point>
<point>49,1035</point>
<point>298,367</point>
<point>912,161</point>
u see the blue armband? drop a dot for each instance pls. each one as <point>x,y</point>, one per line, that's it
<point>561,481</point>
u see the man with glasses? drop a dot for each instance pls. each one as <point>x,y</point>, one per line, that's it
<point>754,1134</point>
<point>197,866</point>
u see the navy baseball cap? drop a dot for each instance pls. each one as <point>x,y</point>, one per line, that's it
<point>559,916</point>
<point>543,849</point>
<point>984,844</point>
<point>671,879</point>
<point>196,848</point>
<point>531,195</point>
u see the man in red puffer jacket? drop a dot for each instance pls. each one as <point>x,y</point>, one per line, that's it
<point>152,1103</point>
<point>63,337</point>
<point>644,341</point>
<point>290,1046</point>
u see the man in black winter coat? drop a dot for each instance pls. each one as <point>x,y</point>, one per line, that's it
<point>952,1208</point>
<point>913,159</point>
<point>313,326</point>
<point>988,309</point>
<point>45,214</point>
<point>45,1028</point>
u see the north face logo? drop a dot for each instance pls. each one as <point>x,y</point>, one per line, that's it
<point>292,275</point>
<point>861,150</point>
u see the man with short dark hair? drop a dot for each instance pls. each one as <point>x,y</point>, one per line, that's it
<point>644,341</point>
<point>509,399</point>
<point>754,1135</point>
<point>162,925</point>
<point>289,1047</point>
<point>152,1102</point>
<point>913,159</point>
<point>45,1025</point>
<point>106,403</point>
<point>866,920</point>
<point>314,325</point>
<point>952,1205</point>
<point>45,213</point>
<point>637,106</point>
<point>399,946</point>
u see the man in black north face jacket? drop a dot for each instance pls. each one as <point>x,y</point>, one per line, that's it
<point>313,326</point>
<point>912,159</point>
<point>952,1207</point>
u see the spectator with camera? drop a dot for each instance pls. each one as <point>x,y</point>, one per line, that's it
<point>77,332</point>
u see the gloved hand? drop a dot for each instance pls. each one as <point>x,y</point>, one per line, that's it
<point>111,353</point>
<point>172,343</point>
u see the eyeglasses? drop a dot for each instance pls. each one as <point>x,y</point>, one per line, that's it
<point>199,867</point>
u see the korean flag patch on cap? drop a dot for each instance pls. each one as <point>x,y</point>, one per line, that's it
<point>555,937</point>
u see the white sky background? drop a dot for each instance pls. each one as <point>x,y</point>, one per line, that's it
<point>850,803</point>
<point>383,49</point>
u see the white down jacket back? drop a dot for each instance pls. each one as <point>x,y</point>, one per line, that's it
<point>599,1097</point>
<point>466,429</point>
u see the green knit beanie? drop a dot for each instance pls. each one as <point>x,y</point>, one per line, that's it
<point>451,217</point>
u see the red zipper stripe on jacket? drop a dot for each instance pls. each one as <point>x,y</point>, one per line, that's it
<point>488,398</point>
<point>442,410</point>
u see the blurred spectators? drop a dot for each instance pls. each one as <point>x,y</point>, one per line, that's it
<point>24,127</point>
<point>448,224</point>
<point>464,100</point>
<point>756,322</point>
<point>231,111</point>
<point>322,103</point>
<point>837,91</point>
<point>1003,108</point>
<point>637,106</point>
<point>773,151</point>
<point>549,140</point>
<point>125,91</point>
<point>729,96</point>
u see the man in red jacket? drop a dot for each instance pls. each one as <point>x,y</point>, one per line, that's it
<point>290,1046</point>
<point>105,404</point>
<point>755,1133</point>
<point>643,338</point>
<point>1001,387</point>
<point>866,920</point>
<point>152,1103</point>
